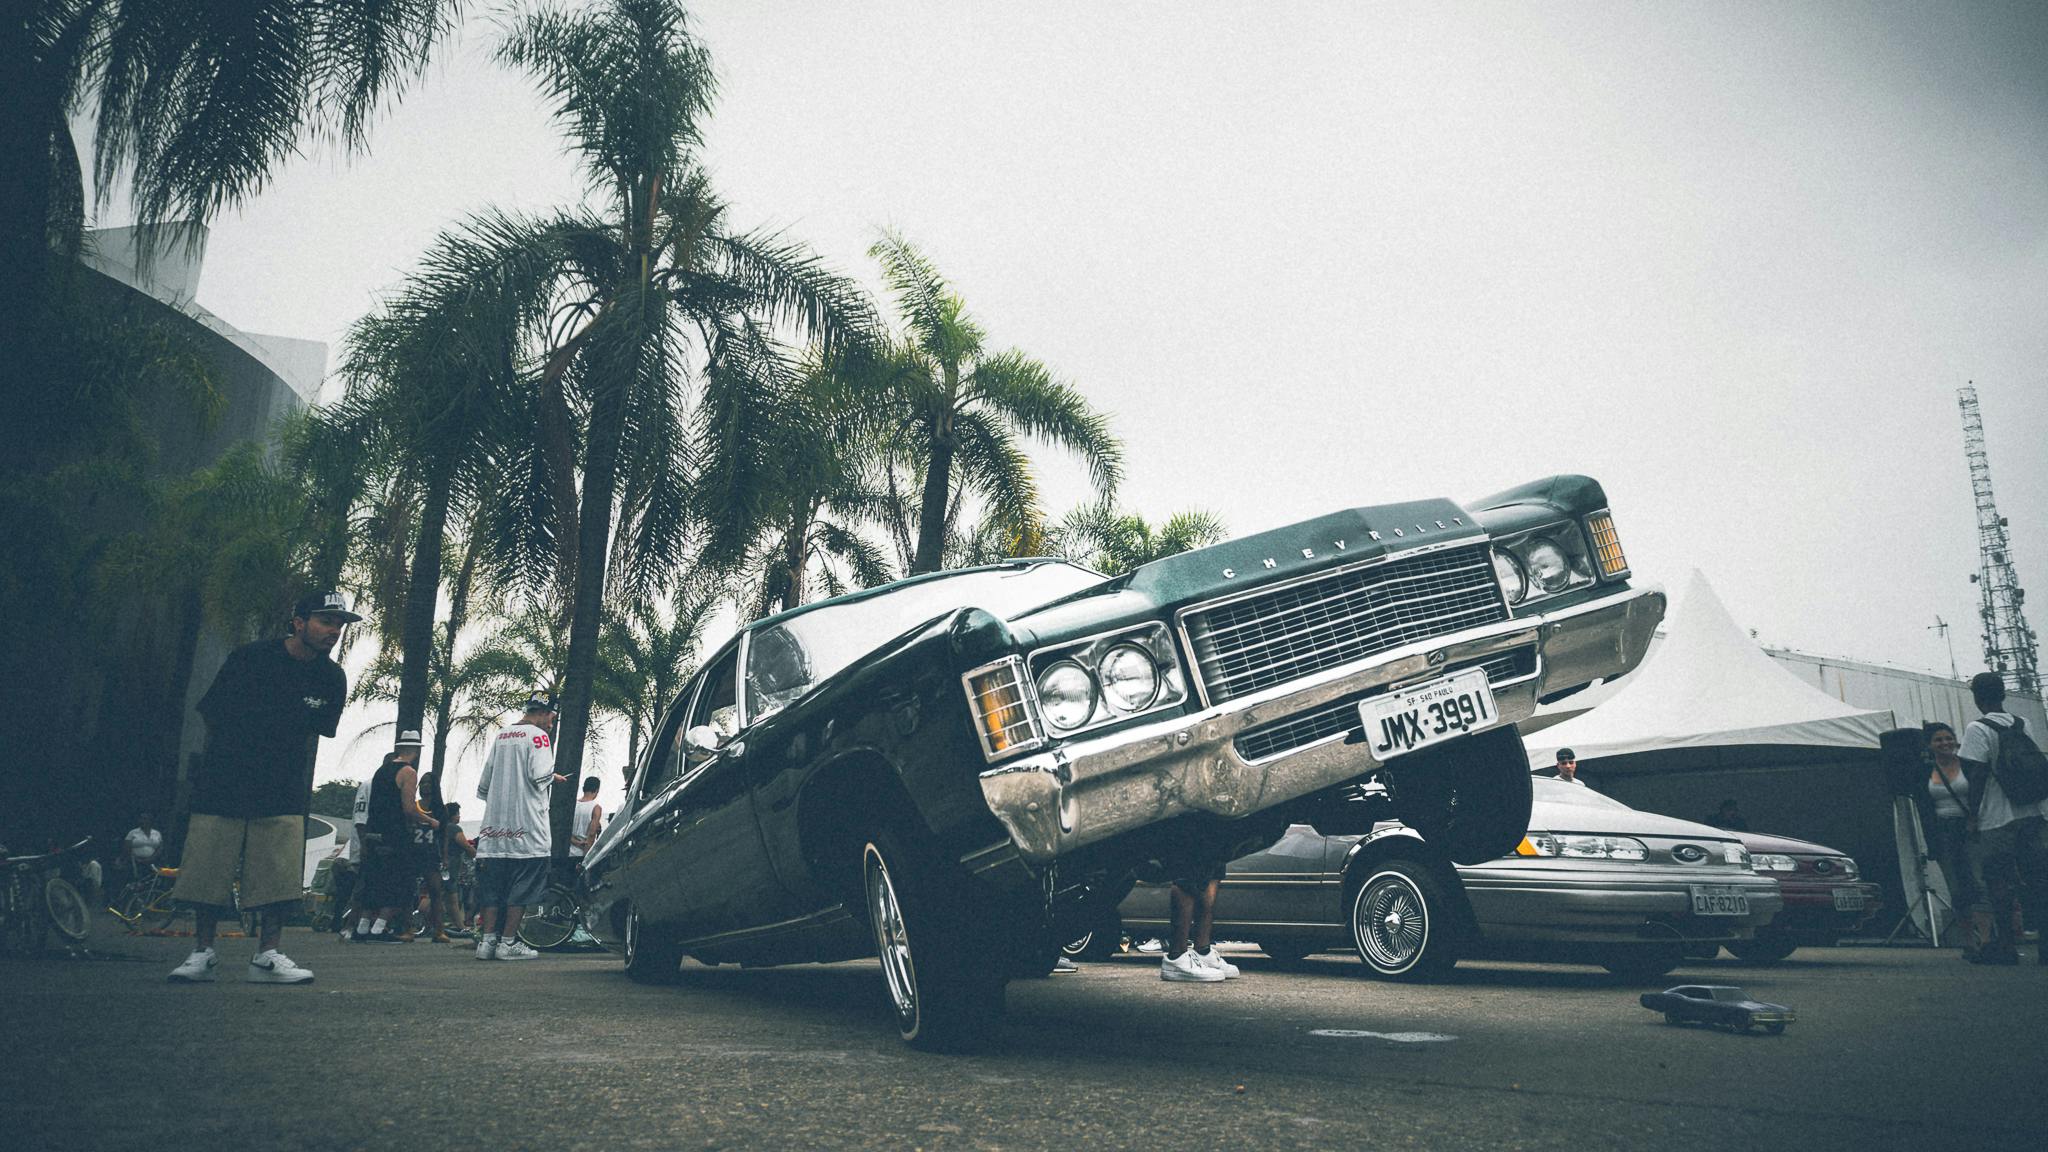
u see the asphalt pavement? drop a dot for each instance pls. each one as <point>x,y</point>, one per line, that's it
<point>422,1046</point>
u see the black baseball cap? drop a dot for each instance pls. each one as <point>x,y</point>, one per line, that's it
<point>1564,754</point>
<point>540,702</point>
<point>333,603</point>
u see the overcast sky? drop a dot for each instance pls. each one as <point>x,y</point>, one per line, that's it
<point>1732,260</point>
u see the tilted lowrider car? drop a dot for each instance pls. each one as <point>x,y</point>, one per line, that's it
<point>954,770</point>
<point>1824,900</point>
<point>1594,880</point>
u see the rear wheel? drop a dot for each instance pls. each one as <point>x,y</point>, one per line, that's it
<point>1643,961</point>
<point>66,907</point>
<point>1401,922</point>
<point>1762,950</point>
<point>1104,941</point>
<point>651,954</point>
<point>944,996</point>
<point>1469,798</point>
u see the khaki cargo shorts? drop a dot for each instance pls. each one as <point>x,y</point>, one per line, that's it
<point>268,853</point>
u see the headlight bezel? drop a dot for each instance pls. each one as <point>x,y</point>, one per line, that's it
<point>1518,550</point>
<point>1582,846</point>
<point>1773,862</point>
<point>1151,639</point>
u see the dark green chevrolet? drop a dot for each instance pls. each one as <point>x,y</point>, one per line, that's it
<point>958,771</point>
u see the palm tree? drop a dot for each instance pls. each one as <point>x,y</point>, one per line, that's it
<point>962,409</point>
<point>1113,542</point>
<point>195,101</point>
<point>649,652</point>
<point>657,288</point>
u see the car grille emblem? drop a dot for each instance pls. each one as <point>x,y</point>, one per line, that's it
<point>1823,866</point>
<point>1689,853</point>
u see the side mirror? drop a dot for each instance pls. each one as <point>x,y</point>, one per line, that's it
<point>703,739</point>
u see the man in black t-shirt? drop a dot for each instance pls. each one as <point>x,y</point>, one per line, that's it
<point>269,705</point>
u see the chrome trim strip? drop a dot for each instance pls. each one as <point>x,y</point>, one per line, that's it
<point>831,915</point>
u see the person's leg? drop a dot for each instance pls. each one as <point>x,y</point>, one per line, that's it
<point>512,914</point>
<point>272,929</point>
<point>206,877</point>
<point>1183,920</point>
<point>205,921</point>
<point>1204,916</point>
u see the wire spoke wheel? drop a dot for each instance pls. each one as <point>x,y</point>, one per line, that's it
<point>892,939</point>
<point>66,907</point>
<point>1401,921</point>
<point>552,921</point>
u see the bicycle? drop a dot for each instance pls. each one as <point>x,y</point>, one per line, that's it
<point>38,899</point>
<point>144,903</point>
<point>554,920</point>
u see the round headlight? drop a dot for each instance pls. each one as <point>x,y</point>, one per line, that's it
<point>1066,695</point>
<point>1514,583</point>
<point>1130,680</point>
<point>1549,567</point>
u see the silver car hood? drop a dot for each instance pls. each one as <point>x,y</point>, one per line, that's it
<point>1602,818</point>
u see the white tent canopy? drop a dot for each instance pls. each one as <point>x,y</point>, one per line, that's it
<point>1709,686</point>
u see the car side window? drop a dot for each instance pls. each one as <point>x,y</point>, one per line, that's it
<point>717,703</point>
<point>665,756</point>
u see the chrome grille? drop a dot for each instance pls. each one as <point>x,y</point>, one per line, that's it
<point>1342,717</point>
<point>1292,632</point>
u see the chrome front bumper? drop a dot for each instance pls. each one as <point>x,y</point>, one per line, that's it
<point>1511,904</point>
<point>1083,791</point>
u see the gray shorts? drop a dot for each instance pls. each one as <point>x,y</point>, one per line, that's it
<point>511,881</point>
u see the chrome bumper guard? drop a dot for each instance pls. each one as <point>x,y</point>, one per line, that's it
<point>1083,791</point>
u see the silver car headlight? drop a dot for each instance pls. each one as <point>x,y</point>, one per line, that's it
<point>1847,866</point>
<point>1066,695</point>
<point>1578,847</point>
<point>1514,583</point>
<point>1773,862</point>
<point>1540,563</point>
<point>1129,678</point>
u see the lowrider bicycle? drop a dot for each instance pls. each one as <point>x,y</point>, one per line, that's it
<point>1593,881</point>
<point>953,771</point>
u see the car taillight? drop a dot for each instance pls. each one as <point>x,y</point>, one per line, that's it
<point>1005,711</point>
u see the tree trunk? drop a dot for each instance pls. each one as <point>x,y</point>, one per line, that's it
<point>931,515</point>
<point>416,643</point>
<point>600,479</point>
<point>24,205</point>
<point>796,555</point>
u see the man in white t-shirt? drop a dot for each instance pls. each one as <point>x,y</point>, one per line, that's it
<point>588,821</point>
<point>142,845</point>
<point>515,842</point>
<point>2008,842</point>
<point>359,815</point>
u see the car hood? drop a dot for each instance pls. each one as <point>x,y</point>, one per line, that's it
<point>1783,845</point>
<point>1553,817</point>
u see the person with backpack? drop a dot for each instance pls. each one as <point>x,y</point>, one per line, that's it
<point>2008,833</point>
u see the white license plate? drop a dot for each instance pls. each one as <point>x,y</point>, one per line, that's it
<point>1848,900</point>
<point>1426,714</point>
<point>1719,900</point>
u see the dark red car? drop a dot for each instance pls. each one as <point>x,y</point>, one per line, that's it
<point>1825,899</point>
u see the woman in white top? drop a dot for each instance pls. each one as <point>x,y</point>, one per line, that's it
<point>1948,789</point>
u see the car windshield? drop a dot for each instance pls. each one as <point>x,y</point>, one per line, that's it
<point>1551,790</point>
<point>787,658</point>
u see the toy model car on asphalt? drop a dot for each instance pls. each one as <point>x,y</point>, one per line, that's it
<point>1722,1004</point>
<point>1824,900</point>
<point>1593,881</point>
<point>954,770</point>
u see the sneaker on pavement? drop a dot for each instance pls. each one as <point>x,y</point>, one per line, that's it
<point>1063,966</point>
<point>198,968</point>
<point>274,967</point>
<point>486,948</point>
<point>1214,959</point>
<point>442,938</point>
<point>1154,946</point>
<point>1187,968</point>
<point>515,950</point>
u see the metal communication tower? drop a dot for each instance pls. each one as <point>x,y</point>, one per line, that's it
<point>2009,643</point>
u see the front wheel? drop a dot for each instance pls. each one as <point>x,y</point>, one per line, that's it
<point>66,907</point>
<point>1402,923</point>
<point>944,996</point>
<point>651,955</point>
<point>1471,798</point>
<point>552,921</point>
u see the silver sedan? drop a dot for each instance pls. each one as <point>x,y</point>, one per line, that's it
<point>1594,881</point>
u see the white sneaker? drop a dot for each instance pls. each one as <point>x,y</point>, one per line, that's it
<point>1186,967</point>
<point>1155,946</point>
<point>1214,959</point>
<point>198,968</point>
<point>274,967</point>
<point>516,949</point>
<point>1061,966</point>
<point>487,948</point>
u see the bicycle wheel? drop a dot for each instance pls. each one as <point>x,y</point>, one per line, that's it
<point>66,907</point>
<point>552,921</point>
<point>159,912</point>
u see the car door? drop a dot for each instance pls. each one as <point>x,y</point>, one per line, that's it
<point>1290,881</point>
<point>621,868</point>
<point>711,870</point>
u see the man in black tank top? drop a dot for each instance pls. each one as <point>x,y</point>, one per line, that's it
<point>391,860</point>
